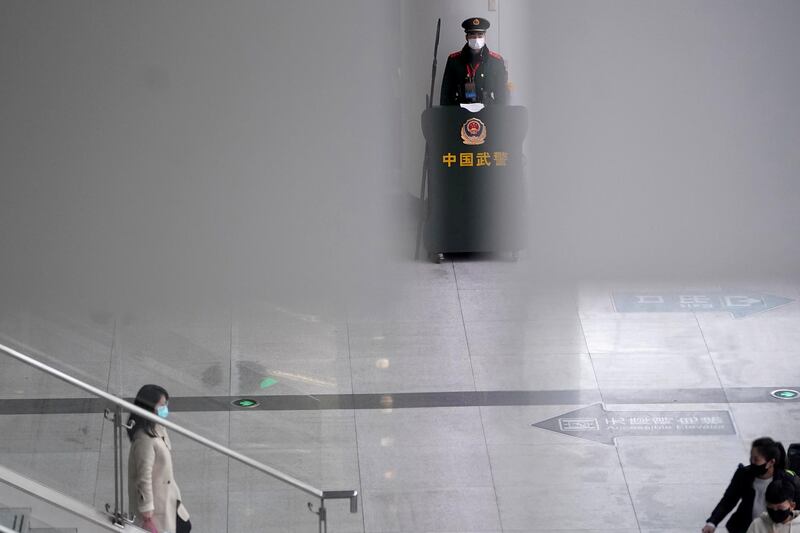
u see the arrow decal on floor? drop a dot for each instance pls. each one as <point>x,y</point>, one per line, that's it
<point>596,424</point>
<point>738,303</point>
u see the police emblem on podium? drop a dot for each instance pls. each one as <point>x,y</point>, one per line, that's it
<point>473,132</point>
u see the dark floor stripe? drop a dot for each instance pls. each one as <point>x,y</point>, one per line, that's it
<point>408,400</point>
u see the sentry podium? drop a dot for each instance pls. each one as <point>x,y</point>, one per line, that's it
<point>476,189</point>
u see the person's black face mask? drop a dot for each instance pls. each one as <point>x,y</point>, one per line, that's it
<point>779,516</point>
<point>758,470</point>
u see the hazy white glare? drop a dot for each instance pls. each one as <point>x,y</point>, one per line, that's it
<point>195,150</point>
<point>663,138</point>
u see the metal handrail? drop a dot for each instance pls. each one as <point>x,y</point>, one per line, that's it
<point>277,474</point>
<point>56,500</point>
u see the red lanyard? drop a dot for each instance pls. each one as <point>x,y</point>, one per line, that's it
<point>472,71</point>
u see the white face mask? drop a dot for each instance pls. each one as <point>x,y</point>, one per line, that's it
<point>477,43</point>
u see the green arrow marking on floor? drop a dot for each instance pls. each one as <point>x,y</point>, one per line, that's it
<point>785,394</point>
<point>268,382</point>
<point>245,402</point>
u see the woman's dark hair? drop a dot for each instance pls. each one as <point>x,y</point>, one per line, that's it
<point>770,449</point>
<point>147,398</point>
<point>779,491</point>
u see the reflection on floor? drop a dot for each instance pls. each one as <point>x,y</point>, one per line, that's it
<point>471,401</point>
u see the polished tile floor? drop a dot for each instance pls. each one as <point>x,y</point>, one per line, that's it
<point>424,399</point>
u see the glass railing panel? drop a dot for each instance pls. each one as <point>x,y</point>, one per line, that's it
<point>285,350</point>
<point>260,504</point>
<point>204,361</point>
<point>316,446</point>
<point>51,431</point>
<point>73,342</point>
<point>187,353</point>
<point>295,360</point>
<point>201,473</point>
<point>46,512</point>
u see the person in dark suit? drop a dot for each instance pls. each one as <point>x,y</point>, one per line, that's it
<point>475,74</point>
<point>749,484</point>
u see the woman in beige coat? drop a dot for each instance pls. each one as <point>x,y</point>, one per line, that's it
<point>155,498</point>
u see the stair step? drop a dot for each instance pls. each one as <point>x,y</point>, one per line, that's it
<point>16,518</point>
<point>53,530</point>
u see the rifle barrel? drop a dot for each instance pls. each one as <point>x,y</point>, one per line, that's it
<point>435,62</point>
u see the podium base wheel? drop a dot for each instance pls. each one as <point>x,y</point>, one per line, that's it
<point>437,258</point>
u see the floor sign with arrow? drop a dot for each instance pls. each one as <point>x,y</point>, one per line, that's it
<point>595,423</point>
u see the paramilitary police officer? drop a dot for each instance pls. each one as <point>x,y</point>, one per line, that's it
<point>475,74</point>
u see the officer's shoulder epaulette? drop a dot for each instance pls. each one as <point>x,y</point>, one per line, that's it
<point>496,55</point>
<point>455,54</point>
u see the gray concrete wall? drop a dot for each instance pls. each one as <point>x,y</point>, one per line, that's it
<point>193,146</point>
<point>664,135</point>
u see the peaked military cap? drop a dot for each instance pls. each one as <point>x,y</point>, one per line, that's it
<point>475,24</point>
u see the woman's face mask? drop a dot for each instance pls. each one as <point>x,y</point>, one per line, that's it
<point>162,411</point>
<point>758,470</point>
